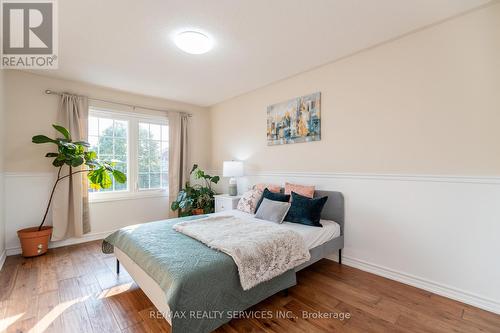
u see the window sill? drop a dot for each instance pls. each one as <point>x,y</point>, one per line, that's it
<point>107,197</point>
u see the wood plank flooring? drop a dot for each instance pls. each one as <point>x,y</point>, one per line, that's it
<point>75,289</point>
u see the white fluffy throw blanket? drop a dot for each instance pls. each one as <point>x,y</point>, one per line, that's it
<point>261,250</point>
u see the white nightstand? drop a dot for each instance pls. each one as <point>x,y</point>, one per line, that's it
<point>226,202</point>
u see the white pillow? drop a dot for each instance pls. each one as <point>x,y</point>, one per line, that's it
<point>274,211</point>
<point>249,200</point>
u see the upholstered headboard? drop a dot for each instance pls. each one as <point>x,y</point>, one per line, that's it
<point>334,207</point>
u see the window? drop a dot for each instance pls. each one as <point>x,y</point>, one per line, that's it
<point>108,138</point>
<point>138,144</point>
<point>153,156</point>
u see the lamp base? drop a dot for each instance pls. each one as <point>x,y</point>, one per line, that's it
<point>232,190</point>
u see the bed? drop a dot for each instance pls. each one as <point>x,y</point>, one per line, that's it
<point>184,279</point>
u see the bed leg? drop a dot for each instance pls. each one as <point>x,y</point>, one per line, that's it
<point>340,256</point>
<point>117,266</point>
<point>285,292</point>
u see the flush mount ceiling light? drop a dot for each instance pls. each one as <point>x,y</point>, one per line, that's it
<point>193,42</point>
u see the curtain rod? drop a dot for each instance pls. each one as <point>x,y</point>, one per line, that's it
<point>51,92</point>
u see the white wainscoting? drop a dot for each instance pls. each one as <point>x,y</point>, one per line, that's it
<point>26,198</point>
<point>438,233</point>
<point>3,253</point>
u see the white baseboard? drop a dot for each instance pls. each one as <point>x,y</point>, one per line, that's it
<point>71,241</point>
<point>3,256</point>
<point>436,288</point>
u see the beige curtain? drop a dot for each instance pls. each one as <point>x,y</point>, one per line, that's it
<point>179,164</point>
<point>70,209</point>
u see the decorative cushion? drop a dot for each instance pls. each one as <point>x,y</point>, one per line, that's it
<point>273,196</point>
<point>271,187</point>
<point>274,211</point>
<point>305,210</point>
<point>304,190</point>
<point>249,200</point>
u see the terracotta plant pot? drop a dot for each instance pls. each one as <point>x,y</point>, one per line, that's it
<point>34,242</point>
<point>198,211</point>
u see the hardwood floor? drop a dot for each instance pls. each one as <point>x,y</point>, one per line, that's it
<point>75,289</point>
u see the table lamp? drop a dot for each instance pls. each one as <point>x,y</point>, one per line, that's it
<point>232,169</point>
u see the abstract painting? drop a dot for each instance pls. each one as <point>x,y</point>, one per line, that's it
<point>294,121</point>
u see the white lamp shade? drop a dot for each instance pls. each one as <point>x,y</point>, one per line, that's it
<point>232,169</point>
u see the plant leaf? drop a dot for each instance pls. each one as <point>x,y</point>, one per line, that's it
<point>92,164</point>
<point>77,161</point>
<point>93,178</point>
<point>90,155</point>
<point>80,150</point>
<point>51,155</point>
<point>199,174</point>
<point>58,162</point>
<point>82,143</point>
<point>119,176</point>
<point>195,166</point>
<point>63,131</point>
<point>68,145</point>
<point>106,181</point>
<point>42,139</point>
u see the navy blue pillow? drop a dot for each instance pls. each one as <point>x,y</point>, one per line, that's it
<point>305,210</point>
<point>272,196</point>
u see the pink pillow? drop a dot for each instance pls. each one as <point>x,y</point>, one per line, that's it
<point>271,187</point>
<point>305,190</point>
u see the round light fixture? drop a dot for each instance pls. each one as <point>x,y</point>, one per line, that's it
<point>193,42</point>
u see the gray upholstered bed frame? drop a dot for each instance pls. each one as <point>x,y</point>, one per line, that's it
<point>333,211</point>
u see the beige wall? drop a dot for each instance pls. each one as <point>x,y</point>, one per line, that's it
<point>30,112</point>
<point>2,119</point>
<point>2,141</point>
<point>427,103</point>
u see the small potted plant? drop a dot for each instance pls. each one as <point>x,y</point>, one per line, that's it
<point>35,240</point>
<point>199,198</point>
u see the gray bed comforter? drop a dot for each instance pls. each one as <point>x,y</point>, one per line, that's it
<point>201,285</point>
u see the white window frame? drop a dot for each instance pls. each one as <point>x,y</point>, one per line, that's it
<point>133,119</point>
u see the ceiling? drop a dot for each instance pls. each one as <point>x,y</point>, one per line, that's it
<point>127,45</point>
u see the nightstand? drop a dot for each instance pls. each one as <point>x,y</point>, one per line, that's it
<point>226,202</point>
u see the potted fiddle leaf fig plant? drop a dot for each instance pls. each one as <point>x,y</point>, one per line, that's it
<point>71,155</point>
<point>196,199</point>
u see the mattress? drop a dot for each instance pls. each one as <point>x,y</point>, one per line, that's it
<point>313,236</point>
